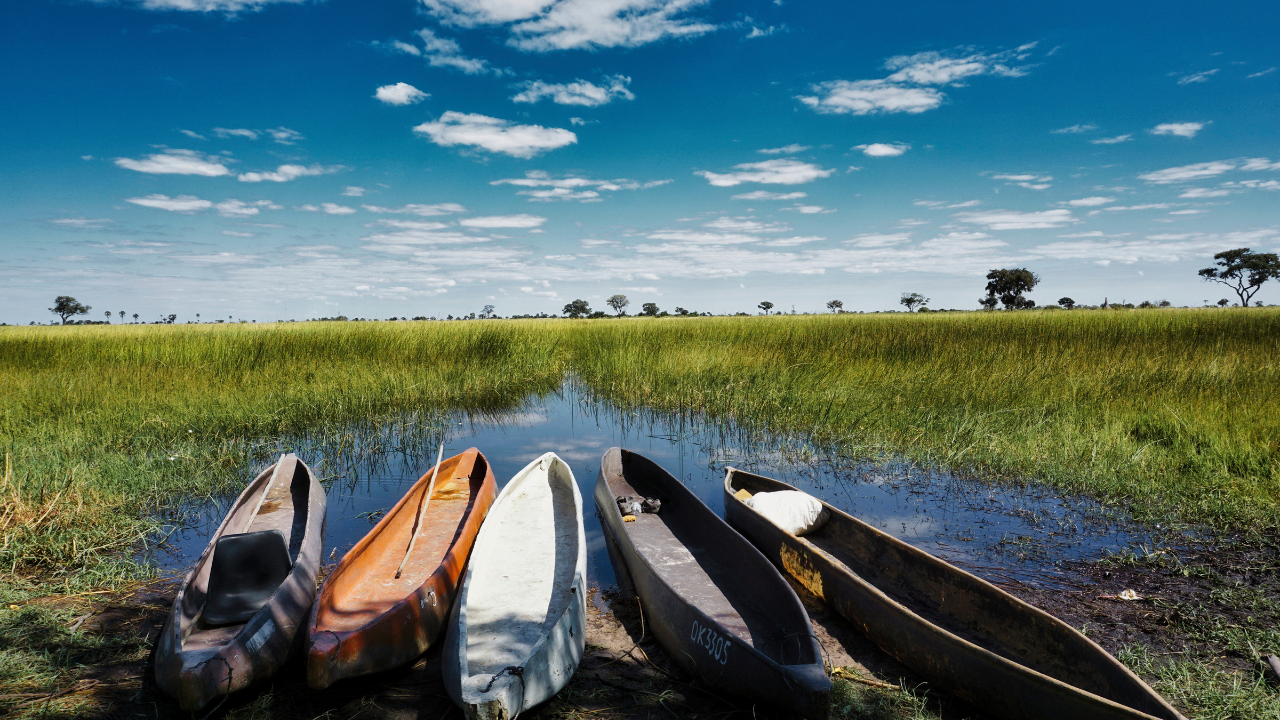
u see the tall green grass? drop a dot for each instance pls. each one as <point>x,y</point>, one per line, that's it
<point>1169,412</point>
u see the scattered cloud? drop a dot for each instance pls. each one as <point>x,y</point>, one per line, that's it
<point>284,135</point>
<point>239,233</point>
<point>443,52</point>
<point>1199,193</point>
<point>181,203</point>
<point>504,221</point>
<point>1268,71</point>
<point>542,187</point>
<point>329,209</point>
<point>877,240</point>
<point>285,173</point>
<point>1091,201</point>
<point>419,210</point>
<point>745,224</point>
<point>883,149</point>
<point>1197,77</point>
<point>579,92</point>
<point>1184,173</point>
<point>766,195</point>
<point>791,149</point>
<point>1154,248</point>
<point>775,172</point>
<point>1012,220</point>
<point>1030,181</point>
<point>354,191</point>
<point>400,94</point>
<point>241,209</point>
<point>548,25</point>
<point>81,223</point>
<point>810,209</point>
<point>192,134</point>
<point>908,89</point>
<point>1112,140</point>
<point>494,135</point>
<point>229,7</point>
<point>1186,130</point>
<point>1075,129</point>
<point>177,162</point>
<point>235,132</point>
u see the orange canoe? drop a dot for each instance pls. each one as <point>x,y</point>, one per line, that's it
<point>365,619</point>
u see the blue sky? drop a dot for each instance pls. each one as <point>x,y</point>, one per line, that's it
<point>276,159</point>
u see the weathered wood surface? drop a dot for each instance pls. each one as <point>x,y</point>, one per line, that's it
<point>518,630</point>
<point>954,629</point>
<point>197,663</point>
<point>713,601</point>
<point>366,619</point>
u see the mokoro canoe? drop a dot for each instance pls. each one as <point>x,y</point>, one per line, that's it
<point>366,619</point>
<point>518,630</point>
<point>238,610</point>
<point>965,635</point>
<point>712,600</point>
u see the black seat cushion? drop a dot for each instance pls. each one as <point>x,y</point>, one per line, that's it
<point>247,569</point>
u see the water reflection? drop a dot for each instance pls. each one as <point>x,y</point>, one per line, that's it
<point>996,532</point>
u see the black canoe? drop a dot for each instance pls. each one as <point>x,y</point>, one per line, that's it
<point>960,632</point>
<point>239,609</point>
<point>714,603</point>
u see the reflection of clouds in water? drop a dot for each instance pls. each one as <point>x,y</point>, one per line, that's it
<point>521,419</point>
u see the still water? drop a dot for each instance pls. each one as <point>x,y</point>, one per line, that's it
<point>999,533</point>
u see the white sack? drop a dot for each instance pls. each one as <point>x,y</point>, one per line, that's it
<point>791,510</point>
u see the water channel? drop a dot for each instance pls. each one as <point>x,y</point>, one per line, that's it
<point>1000,533</point>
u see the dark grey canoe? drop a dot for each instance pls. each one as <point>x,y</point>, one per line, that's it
<point>965,635</point>
<point>714,603</point>
<point>216,643</point>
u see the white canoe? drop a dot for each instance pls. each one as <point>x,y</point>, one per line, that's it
<point>519,624</point>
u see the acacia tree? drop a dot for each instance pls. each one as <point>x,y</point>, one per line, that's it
<point>108,313</point>
<point>1008,286</point>
<point>1066,302</point>
<point>486,313</point>
<point>835,306</point>
<point>121,316</point>
<point>650,309</point>
<point>135,318</point>
<point>1244,271</point>
<point>765,307</point>
<point>913,300</point>
<point>577,309</point>
<point>65,306</point>
<point>618,303</point>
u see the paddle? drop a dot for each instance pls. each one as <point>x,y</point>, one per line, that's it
<point>274,474</point>
<point>422,509</point>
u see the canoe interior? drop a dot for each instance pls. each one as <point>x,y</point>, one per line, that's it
<point>691,550</point>
<point>967,606</point>
<point>521,577</point>
<point>366,587</point>
<point>285,509</point>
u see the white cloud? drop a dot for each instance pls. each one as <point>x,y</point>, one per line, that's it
<point>239,234</point>
<point>1186,130</point>
<point>1145,206</point>
<point>504,221</point>
<point>792,241</point>
<point>181,203</point>
<point>1259,164</point>
<point>965,204</point>
<point>1195,171</point>
<point>1197,77</point>
<point>878,240</point>
<point>235,132</point>
<point>329,209</point>
<point>494,135</point>
<point>766,195</point>
<point>1112,140</point>
<point>907,89</point>
<point>883,149</point>
<point>545,188</point>
<point>419,210</point>
<point>239,208</point>
<point>1155,248</point>
<point>400,94</point>
<point>81,223</point>
<point>776,172</point>
<point>1074,129</point>
<point>401,47</point>
<point>1268,71</point>
<point>1091,201</point>
<point>810,209</point>
<point>547,25</point>
<point>413,224</point>
<point>1195,193</point>
<point>192,134</point>
<point>784,150</point>
<point>579,92</point>
<point>443,52</point>
<point>354,191</point>
<point>209,6</point>
<point>284,135</point>
<point>1012,220</point>
<point>177,162</point>
<point>285,173</point>
<point>1029,181</point>
<point>745,224</point>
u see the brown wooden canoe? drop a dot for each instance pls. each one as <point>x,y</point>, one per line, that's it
<point>365,619</point>
<point>1008,658</point>
<point>240,608</point>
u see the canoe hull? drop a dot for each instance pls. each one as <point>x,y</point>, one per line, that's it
<point>700,644</point>
<point>407,627</point>
<point>555,656</point>
<point>999,686</point>
<point>256,650</point>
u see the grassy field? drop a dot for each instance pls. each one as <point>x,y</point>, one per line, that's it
<point>1169,413</point>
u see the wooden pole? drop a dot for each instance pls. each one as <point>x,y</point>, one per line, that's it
<point>274,474</point>
<point>422,509</point>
